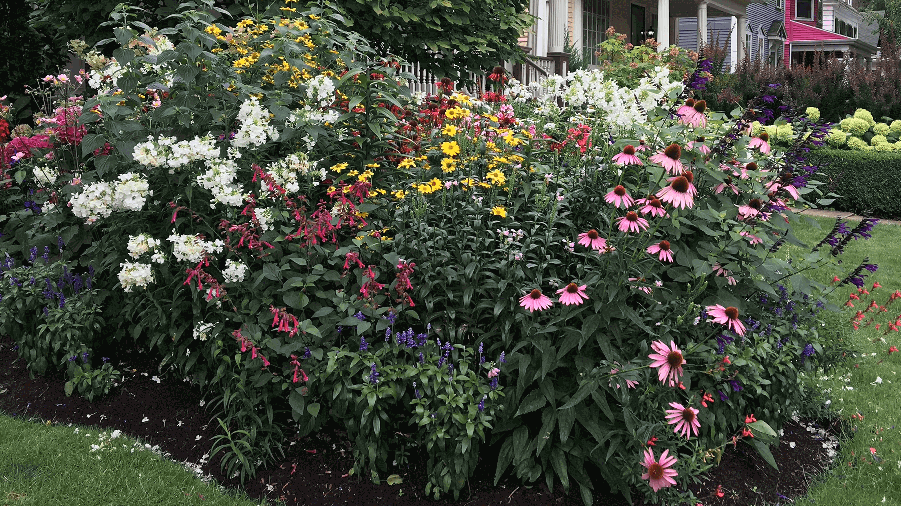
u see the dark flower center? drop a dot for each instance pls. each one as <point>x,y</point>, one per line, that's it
<point>700,106</point>
<point>732,313</point>
<point>680,184</point>
<point>674,359</point>
<point>655,203</point>
<point>629,150</point>
<point>751,166</point>
<point>764,136</point>
<point>619,190</point>
<point>664,245</point>
<point>572,288</point>
<point>536,294</point>
<point>700,139</point>
<point>641,142</point>
<point>755,204</point>
<point>690,102</point>
<point>655,470</point>
<point>592,234</point>
<point>688,415</point>
<point>689,175</point>
<point>673,151</point>
<point>631,216</point>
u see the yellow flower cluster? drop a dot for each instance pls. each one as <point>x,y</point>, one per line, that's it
<point>496,177</point>
<point>456,113</point>
<point>429,187</point>
<point>406,163</point>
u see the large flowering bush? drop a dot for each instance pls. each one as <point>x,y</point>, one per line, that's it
<point>266,208</point>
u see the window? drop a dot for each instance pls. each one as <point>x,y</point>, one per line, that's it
<point>804,9</point>
<point>780,4</point>
<point>748,47</point>
<point>595,20</point>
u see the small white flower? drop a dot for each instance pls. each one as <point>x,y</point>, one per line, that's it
<point>791,444</point>
<point>145,420</point>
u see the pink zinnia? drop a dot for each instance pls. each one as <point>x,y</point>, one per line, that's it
<point>760,142</point>
<point>660,475</point>
<point>669,158</point>
<point>668,361</point>
<point>727,316</point>
<point>627,157</point>
<point>685,418</point>
<point>572,294</point>
<point>678,193</point>
<point>654,207</point>
<point>535,300</point>
<point>631,222</point>
<point>619,196</point>
<point>663,249</point>
<point>593,240</point>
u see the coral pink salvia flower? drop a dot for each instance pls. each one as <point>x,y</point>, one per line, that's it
<point>685,419</point>
<point>535,300</point>
<point>669,159</point>
<point>619,196</point>
<point>660,473</point>
<point>668,361</point>
<point>727,316</point>
<point>593,240</point>
<point>627,157</point>
<point>661,248</point>
<point>572,294</point>
<point>631,222</point>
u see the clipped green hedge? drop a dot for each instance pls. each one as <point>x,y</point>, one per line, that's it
<point>868,182</point>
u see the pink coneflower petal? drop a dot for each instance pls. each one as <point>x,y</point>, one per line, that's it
<point>669,159</point>
<point>760,143</point>
<point>654,207</point>
<point>631,222</point>
<point>659,475</point>
<point>685,419</point>
<point>572,294</point>
<point>535,300</point>
<point>678,193</point>
<point>619,196</point>
<point>727,316</point>
<point>593,240</point>
<point>668,361</point>
<point>662,249</point>
<point>627,157</point>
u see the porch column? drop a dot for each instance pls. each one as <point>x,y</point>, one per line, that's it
<point>663,24</point>
<point>742,36</point>
<point>557,26</point>
<point>702,25</point>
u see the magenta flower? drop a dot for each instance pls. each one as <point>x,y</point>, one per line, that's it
<point>593,240</point>
<point>663,249</point>
<point>572,294</point>
<point>669,159</point>
<point>619,196</point>
<point>727,316</point>
<point>680,192</point>
<point>685,419</point>
<point>660,475</point>
<point>668,361</point>
<point>535,300</point>
<point>627,157</point>
<point>631,222</point>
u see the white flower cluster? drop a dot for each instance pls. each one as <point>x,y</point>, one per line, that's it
<point>521,93</point>
<point>285,172</point>
<point>321,90</point>
<point>190,248</point>
<point>94,202</point>
<point>234,271</point>
<point>310,116</point>
<point>131,192</point>
<point>220,180</point>
<point>264,216</point>
<point>107,78</point>
<point>143,243</point>
<point>44,175</point>
<point>166,151</point>
<point>255,127</point>
<point>135,274</point>
<point>202,330</point>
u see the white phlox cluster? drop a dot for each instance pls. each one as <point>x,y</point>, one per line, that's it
<point>234,271</point>
<point>131,192</point>
<point>285,172</point>
<point>190,248</point>
<point>168,152</point>
<point>202,330</point>
<point>321,90</point>
<point>135,274</point>
<point>143,243</point>
<point>107,78</point>
<point>220,180</point>
<point>255,127</point>
<point>96,201</point>
<point>308,116</point>
<point>44,175</point>
<point>264,217</point>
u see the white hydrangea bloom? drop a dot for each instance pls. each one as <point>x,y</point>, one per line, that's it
<point>135,274</point>
<point>44,175</point>
<point>255,127</point>
<point>202,330</point>
<point>131,192</point>
<point>190,248</point>
<point>234,271</point>
<point>140,244</point>
<point>321,90</point>
<point>94,202</point>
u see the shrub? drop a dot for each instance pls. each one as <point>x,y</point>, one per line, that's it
<point>865,180</point>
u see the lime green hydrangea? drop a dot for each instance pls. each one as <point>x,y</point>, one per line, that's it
<point>878,139</point>
<point>884,146</point>
<point>895,127</point>
<point>756,127</point>
<point>881,129</point>
<point>836,137</point>
<point>771,130</point>
<point>813,113</point>
<point>857,143</point>
<point>854,126</point>
<point>898,146</point>
<point>785,133</point>
<point>865,115</point>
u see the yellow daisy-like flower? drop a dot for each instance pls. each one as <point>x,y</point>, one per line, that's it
<point>373,165</point>
<point>352,173</point>
<point>424,189</point>
<point>449,130</point>
<point>456,113</point>
<point>448,165</point>
<point>436,184</point>
<point>491,146</point>
<point>468,181</point>
<point>339,167</point>
<point>512,141</point>
<point>483,184</point>
<point>450,148</point>
<point>496,177</point>
<point>365,176</point>
<point>399,194</point>
<point>499,211</point>
<point>406,163</point>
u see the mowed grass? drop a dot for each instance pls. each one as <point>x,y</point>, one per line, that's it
<point>867,470</point>
<point>45,465</point>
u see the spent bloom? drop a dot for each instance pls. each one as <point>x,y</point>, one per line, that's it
<point>668,361</point>
<point>727,316</point>
<point>535,300</point>
<point>685,419</point>
<point>660,473</point>
<point>572,294</point>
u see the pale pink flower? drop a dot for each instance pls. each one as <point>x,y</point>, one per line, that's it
<point>644,288</point>
<point>686,108</point>
<point>760,142</point>
<point>702,148</point>
<point>774,186</point>
<point>727,316</point>
<point>753,209</point>
<point>642,146</point>
<point>593,240</point>
<point>679,193</point>
<point>660,475</point>
<point>535,300</point>
<point>663,249</point>
<point>753,238</point>
<point>627,157</point>
<point>631,222</point>
<point>669,159</point>
<point>572,294</point>
<point>629,383</point>
<point>618,196</point>
<point>685,419</point>
<point>724,185</point>
<point>668,361</point>
<point>493,372</point>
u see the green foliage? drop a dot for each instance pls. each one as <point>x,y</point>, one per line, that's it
<point>626,64</point>
<point>865,180</point>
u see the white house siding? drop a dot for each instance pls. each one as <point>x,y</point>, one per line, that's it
<point>763,15</point>
<point>718,33</point>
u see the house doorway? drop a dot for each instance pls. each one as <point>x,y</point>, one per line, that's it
<point>639,25</point>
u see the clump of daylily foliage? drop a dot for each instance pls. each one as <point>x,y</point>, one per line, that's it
<point>589,280</point>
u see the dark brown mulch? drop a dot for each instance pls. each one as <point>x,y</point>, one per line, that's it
<point>314,470</point>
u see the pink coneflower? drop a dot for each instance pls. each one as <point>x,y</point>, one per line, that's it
<point>693,116</point>
<point>726,184</point>
<point>593,240</point>
<point>727,316</point>
<point>535,300</point>
<point>760,142</point>
<point>627,156</point>
<point>629,383</point>
<point>572,294</point>
<point>619,196</point>
<point>678,193</point>
<point>686,108</point>
<point>774,186</point>
<point>669,158</point>
<point>652,206</point>
<point>660,475</point>
<point>663,249</point>
<point>702,148</point>
<point>752,209</point>
<point>668,361</point>
<point>685,418</point>
<point>631,222</point>
<point>642,146</point>
<point>751,237</point>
